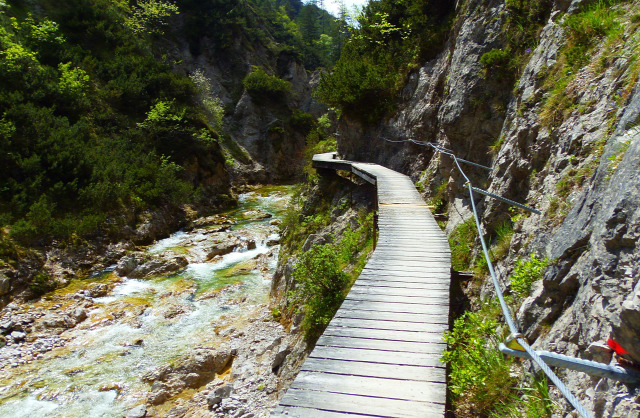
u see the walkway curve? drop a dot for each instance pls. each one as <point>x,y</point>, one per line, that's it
<point>380,355</point>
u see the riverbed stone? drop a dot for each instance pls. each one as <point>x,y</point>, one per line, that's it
<point>18,335</point>
<point>273,240</point>
<point>158,266</point>
<point>139,411</point>
<point>221,248</point>
<point>79,314</point>
<point>219,393</point>
<point>99,290</point>
<point>256,215</point>
<point>126,265</point>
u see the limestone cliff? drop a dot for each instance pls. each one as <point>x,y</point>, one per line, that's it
<point>264,139</point>
<point>560,138</point>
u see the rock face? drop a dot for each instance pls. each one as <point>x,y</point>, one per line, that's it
<point>265,143</point>
<point>580,169</point>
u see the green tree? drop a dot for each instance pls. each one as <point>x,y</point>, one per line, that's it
<point>151,16</point>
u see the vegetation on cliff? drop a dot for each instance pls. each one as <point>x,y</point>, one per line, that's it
<point>96,124</point>
<point>390,39</point>
<point>327,238</point>
<point>93,122</point>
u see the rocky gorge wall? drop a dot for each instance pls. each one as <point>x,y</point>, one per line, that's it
<point>560,139</point>
<point>263,143</point>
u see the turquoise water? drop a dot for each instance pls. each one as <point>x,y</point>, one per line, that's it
<point>97,372</point>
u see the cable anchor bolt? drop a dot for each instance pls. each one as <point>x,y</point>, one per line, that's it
<point>512,341</point>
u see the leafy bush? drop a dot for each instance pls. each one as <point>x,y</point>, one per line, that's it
<point>461,243</point>
<point>496,62</point>
<point>211,103</point>
<point>480,378</point>
<point>265,86</point>
<point>360,88</point>
<point>527,272</point>
<point>41,283</point>
<point>324,273</point>
<point>302,121</point>
<point>321,284</point>
<point>92,124</point>
<point>150,16</point>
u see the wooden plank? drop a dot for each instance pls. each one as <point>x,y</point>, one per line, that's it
<point>409,300</point>
<point>385,255</point>
<point>420,283</point>
<point>385,371</point>
<point>396,252</point>
<point>319,404</point>
<point>394,307</point>
<point>374,387</point>
<point>358,288</point>
<point>384,335</point>
<point>286,409</point>
<point>374,282</point>
<point>441,272</point>
<point>398,269</point>
<point>397,346</point>
<point>409,267</point>
<point>350,405</point>
<point>426,299</point>
<point>442,318</point>
<point>389,325</point>
<point>440,276</point>
<point>429,260</point>
<point>377,356</point>
<point>413,247</point>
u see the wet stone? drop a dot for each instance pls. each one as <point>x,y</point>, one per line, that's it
<point>18,335</point>
<point>138,412</point>
<point>218,394</point>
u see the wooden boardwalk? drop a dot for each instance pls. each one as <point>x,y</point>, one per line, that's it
<point>380,355</point>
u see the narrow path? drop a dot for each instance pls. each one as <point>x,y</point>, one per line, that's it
<point>380,355</point>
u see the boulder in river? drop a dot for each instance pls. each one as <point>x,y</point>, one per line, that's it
<point>256,215</point>
<point>222,221</point>
<point>164,266</point>
<point>221,248</point>
<point>139,411</point>
<point>192,370</point>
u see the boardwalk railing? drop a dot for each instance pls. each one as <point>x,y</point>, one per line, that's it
<point>380,355</point>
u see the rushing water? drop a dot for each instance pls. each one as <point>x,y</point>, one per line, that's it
<point>145,323</point>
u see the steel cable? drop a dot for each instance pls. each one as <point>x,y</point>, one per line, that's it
<point>503,304</point>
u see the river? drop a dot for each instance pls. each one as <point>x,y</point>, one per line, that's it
<point>94,368</point>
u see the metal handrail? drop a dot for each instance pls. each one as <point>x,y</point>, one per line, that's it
<point>505,309</point>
